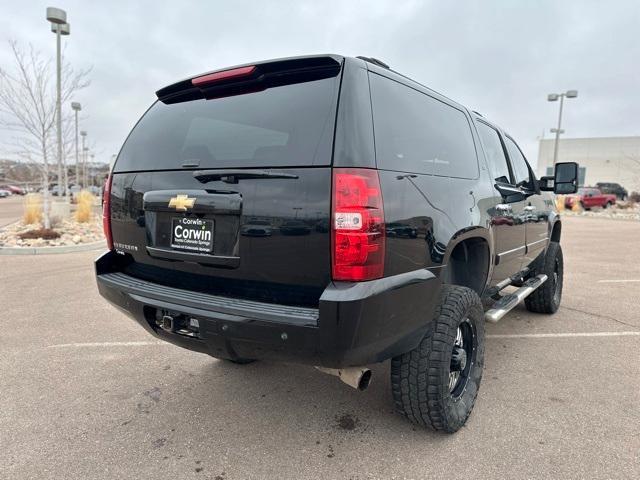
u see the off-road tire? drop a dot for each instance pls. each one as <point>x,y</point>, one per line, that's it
<point>547,297</point>
<point>420,378</point>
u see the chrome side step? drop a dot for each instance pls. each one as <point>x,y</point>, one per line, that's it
<point>516,280</point>
<point>511,300</point>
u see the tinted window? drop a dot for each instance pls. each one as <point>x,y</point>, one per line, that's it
<point>493,151</point>
<point>290,125</point>
<point>417,133</point>
<point>518,162</point>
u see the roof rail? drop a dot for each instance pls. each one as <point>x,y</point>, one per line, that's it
<point>375,61</point>
<point>478,113</point>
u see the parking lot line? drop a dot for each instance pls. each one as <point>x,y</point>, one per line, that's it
<point>567,335</point>
<point>628,280</point>
<point>107,344</point>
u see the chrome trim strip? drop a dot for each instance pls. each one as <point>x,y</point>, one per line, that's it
<point>509,253</point>
<point>537,242</point>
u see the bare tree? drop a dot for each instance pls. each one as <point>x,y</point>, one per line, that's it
<point>28,109</point>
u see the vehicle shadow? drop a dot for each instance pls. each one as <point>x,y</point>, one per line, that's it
<point>293,399</point>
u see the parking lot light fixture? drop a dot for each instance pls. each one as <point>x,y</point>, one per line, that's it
<point>56,15</point>
<point>59,26</point>
<point>553,97</point>
<point>65,28</point>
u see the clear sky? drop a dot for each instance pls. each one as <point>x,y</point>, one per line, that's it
<point>500,58</point>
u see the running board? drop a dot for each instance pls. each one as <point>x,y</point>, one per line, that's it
<point>511,300</point>
<point>516,280</point>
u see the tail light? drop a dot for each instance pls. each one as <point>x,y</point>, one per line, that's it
<point>106,212</point>
<point>358,237</point>
<point>232,74</point>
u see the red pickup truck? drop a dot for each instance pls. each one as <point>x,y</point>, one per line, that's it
<point>589,197</point>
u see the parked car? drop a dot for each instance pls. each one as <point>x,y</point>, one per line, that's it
<point>589,197</point>
<point>14,189</point>
<point>293,139</point>
<point>295,227</point>
<point>56,191</point>
<point>4,193</point>
<point>257,228</point>
<point>613,188</point>
<point>401,230</point>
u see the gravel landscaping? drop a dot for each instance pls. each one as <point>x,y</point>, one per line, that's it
<point>71,233</point>
<point>621,211</point>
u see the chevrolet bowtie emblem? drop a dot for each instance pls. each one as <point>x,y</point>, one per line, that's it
<point>182,202</point>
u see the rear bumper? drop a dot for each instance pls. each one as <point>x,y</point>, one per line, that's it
<point>355,324</point>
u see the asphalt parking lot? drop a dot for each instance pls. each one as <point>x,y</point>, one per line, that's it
<point>86,393</point>
<point>10,209</point>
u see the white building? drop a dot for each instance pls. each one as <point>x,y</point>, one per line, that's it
<point>605,159</point>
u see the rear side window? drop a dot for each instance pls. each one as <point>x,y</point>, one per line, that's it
<point>414,132</point>
<point>518,162</point>
<point>290,125</point>
<point>493,151</point>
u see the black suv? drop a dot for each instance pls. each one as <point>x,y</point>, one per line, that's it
<point>327,210</point>
<point>613,189</point>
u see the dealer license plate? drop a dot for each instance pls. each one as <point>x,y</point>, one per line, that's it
<point>193,234</point>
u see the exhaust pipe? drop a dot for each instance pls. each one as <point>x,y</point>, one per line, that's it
<point>356,377</point>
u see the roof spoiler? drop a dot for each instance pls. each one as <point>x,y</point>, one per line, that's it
<point>251,78</point>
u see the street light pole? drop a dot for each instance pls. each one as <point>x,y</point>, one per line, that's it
<point>85,159</point>
<point>553,97</point>
<point>76,108</point>
<point>84,135</point>
<point>555,144</point>
<point>93,161</point>
<point>58,19</point>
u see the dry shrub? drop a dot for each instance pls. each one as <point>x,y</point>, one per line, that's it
<point>44,233</point>
<point>634,197</point>
<point>576,207</point>
<point>84,212</point>
<point>32,209</point>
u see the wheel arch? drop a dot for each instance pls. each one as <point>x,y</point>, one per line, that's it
<point>556,231</point>
<point>467,261</point>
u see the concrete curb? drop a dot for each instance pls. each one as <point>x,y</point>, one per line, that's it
<point>85,247</point>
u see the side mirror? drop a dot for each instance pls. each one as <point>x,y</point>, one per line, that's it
<point>509,192</point>
<point>564,180</point>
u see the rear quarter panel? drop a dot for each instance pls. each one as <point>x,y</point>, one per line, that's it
<point>443,211</point>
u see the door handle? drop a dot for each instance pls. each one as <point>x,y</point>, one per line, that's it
<point>529,208</point>
<point>503,207</point>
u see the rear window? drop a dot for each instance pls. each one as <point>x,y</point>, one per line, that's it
<point>290,125</point>
<point>415,132</point>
